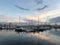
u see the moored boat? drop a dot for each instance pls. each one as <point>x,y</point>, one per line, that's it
<point>20,29</point>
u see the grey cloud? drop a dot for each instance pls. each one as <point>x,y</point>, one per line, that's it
<point>21,8</point>
<point>42,8</point>
<point>55,20</point>
<point>39,1</point>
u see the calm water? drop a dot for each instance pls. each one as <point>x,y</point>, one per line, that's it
<point>11,37</point>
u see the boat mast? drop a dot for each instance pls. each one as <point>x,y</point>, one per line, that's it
<point>19,20</point>
<point>38,20</point>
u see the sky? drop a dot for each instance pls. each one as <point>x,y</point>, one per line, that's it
<point>10,13</point>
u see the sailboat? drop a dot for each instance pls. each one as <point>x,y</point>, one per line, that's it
<point>0,28</point>
<point>20,29</point>
<point>39,29</point>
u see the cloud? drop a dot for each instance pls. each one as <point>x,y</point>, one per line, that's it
<point>38,1</point>
<point>51,13</point>
<point>39,9</point>
<point>5,18</point>
<point>21,8</point>
<point>58,6</point>
<point>44,15</point>
<point>33,17</point>
<point>55,20</point>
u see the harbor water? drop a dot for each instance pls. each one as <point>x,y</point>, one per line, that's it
<point>11,37</point>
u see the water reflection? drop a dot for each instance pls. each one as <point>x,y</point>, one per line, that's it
<point>12,37</point>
